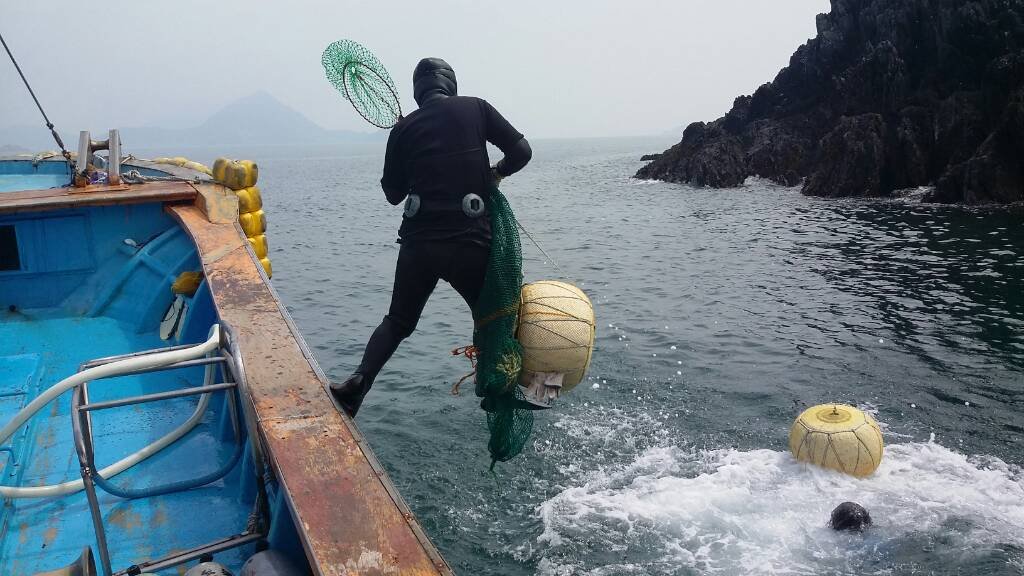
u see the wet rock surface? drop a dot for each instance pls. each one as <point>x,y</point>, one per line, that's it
<point>891,94</point>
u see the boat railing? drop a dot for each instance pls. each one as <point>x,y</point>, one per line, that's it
<point>226,356</point>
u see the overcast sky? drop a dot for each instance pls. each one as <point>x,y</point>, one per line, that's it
<point>554,68</point>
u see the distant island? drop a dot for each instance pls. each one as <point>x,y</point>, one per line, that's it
<point>890,95</point>
<point>258,119</point>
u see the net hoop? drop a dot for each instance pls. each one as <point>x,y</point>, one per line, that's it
<point>362,80</point>
<point>351,72</point>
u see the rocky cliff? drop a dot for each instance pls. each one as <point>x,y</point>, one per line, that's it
<point>891,94</point>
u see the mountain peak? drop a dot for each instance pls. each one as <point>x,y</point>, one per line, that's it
<point>261,116</point>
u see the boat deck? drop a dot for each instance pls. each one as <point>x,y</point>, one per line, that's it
<point>37,350</point>
<point>348,515</point>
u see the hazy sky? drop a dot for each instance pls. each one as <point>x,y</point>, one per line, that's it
<point>554,68</point>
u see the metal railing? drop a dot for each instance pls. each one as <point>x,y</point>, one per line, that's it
<point>226,357</point>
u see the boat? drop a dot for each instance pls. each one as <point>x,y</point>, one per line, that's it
<point>160,410</point>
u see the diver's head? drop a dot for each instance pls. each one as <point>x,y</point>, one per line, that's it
<point>850,516</point>
<point>433,78</point>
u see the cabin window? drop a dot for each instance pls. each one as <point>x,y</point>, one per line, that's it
<point>9,259</point>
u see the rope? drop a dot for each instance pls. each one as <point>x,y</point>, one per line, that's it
<point>469,352</point>
<point>537,244</point>
<point>135,177</point>
<point>53,131</point>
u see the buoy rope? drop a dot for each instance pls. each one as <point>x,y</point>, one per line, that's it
<point>53,131</point>
<point>470,352</point>
<point>557,311</point>
<point>542,251</point>
<point>562,336</point>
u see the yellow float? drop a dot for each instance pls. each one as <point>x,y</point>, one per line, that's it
<point>241,176</point>
<point>259,245</point>
<point>249,199</point>
<point>253,223</point>
<point>556,331</point>
<point>838,437</point>
<point>183,162</point>
<point>265,262</point>
<point>235,174</point>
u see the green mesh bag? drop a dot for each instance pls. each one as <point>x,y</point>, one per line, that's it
<point>499,355</point>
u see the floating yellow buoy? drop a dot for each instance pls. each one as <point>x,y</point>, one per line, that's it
<point>839,437</point>
<point>556,330</point>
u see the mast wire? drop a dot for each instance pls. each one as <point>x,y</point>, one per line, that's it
<point>53,131</point>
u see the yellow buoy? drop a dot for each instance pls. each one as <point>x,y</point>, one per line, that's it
<point>556,330</point>
<point>253,223</point>
<point>235,174</point>
<point>183,162</point>
<point>249,199</point>
<point>267,267</point>
<point>259,245</point>
<point>198,167</point>
<point>839,437</point>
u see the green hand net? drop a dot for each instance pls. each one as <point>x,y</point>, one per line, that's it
<point>363,81</point>
<point>499,358</point>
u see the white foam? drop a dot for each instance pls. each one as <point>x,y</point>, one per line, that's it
<point>761,512</point>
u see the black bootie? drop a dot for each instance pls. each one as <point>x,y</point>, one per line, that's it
<point>351,392</point>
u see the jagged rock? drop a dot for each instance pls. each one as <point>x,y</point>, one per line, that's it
<point>851,159</point>
<point>705,157</point>
<point>649,157</point>
<point>995,168</point>
<point>891,94</point>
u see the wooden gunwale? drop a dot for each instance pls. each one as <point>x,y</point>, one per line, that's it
<point>70,197</point>
<point>350,517</point>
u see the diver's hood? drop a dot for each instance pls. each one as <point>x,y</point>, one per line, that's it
<point>432,79</point>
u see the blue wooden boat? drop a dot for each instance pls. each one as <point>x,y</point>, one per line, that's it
<point>159,408</point>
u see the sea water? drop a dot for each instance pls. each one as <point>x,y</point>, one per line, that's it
<point>722,314</point>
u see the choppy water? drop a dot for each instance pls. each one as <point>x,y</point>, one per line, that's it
<point>721,314</point>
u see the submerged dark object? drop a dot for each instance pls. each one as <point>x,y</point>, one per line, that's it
<point>850,516</point>
<point>890,95</point>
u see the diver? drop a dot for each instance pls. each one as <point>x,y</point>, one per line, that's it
<point>849,516</point>
<point>436,161</point>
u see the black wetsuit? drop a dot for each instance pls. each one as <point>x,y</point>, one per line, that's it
<point>439,154</point>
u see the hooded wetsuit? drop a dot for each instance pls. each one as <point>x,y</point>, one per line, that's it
<point>438,154</point>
